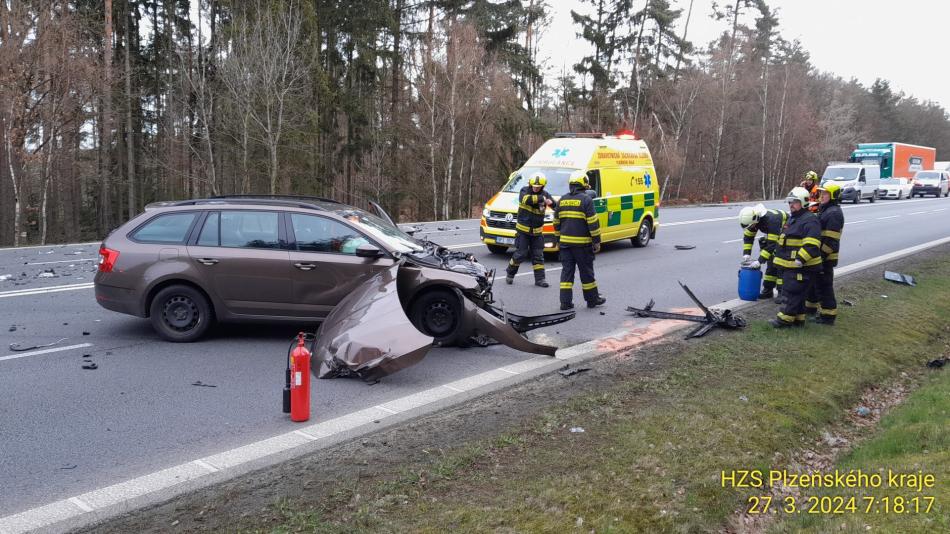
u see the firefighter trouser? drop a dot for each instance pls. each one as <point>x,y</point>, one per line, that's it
<point>528,246</point>
<point>772,278</point>
<point>796,284</point>
<point>583,259</point>
<point>821,297</point>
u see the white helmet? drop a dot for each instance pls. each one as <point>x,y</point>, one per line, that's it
<point>799,193</point>
<point>748,216</point>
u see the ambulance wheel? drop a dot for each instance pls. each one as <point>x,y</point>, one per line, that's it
<point>642,238</point>
<point>181,314</point>
<point>497,249</point>
<point>437,313</point>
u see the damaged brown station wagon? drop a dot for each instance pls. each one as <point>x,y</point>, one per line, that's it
<point>186,264</point>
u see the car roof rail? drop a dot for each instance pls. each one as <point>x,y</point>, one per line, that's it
<point>295,202</point>
<point>276,197</point>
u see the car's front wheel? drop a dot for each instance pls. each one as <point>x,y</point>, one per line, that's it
<point>900,195</point>
<point>181,314</point>
<point>438,313</point>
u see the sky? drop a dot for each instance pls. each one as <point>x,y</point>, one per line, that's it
<point>906,41</point>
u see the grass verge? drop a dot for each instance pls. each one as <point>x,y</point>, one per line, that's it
<point>653,448</point>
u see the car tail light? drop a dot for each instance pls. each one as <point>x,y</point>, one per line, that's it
<point>107,258</point>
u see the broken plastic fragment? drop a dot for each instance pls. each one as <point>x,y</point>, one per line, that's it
<point>571,372</point>
<point>899,278</point>
<point>199,383</point>
<point>684,247</point>
<point>90,366</point>
<point>15,347</point>
<point>576,430</point>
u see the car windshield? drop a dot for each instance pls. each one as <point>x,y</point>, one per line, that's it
<point>382,231</point>
<point>840,174</point>
<point>557,179</point>
<point>892,181</point>
<point>928,176</point>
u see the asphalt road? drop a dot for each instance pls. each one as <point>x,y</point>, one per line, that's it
<point>65,430</point>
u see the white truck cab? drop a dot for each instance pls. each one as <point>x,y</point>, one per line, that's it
<point>857,180</point>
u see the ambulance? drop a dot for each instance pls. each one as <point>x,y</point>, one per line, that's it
<point>621,173</point>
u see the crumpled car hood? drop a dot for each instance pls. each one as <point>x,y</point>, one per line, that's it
<point>368,334</point>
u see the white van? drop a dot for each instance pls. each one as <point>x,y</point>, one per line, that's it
<point>857,180</point>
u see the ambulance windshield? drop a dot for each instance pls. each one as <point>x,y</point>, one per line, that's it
<point>557,179</point>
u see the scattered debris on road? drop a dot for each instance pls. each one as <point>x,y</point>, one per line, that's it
<point>68,466</point>
<point>12,328</point>
<point>201,384</point>
<point>576,430</point>
<point>48,273</point>
<point>899,278</point>
<point>862,411</point>
<point>883,296</point>
<point>15,347</point>
<point>90,366</point>
<point>684,247</point>
<point>847,302</point>
<point>567,370</point>
<point>711,319</point>
<point>743,398</point>
<point>85,333</point>
<point>4,277</point>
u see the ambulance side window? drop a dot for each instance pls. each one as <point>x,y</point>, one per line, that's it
<point>593,176</point>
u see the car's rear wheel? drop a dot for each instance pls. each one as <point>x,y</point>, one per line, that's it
<point>438,313</point>
<point>498,249</point>
<point>873,199</point>
<point>181,314</point>
<point>642,238</point>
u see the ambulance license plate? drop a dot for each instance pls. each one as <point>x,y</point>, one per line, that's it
<point>505,240</point>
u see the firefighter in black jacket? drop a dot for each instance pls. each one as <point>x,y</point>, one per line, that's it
<point>799,256</point>
<point>529,241</point>
<point>754,219</point>
<point>821,298</point>
<point>578,233</point>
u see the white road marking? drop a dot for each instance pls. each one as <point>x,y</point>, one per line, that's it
<point>81,504</point>
<point>856,222</point>
<point>888,217</point>
<point>44,351</point>
<point>203,464</point>
<point>697,221</point>
<point>916,212</point>
<point>61,261</point>
<point>551,270</point>
<point>941,209</point>
<point>42,290</point>
<point>457,390</point>
<point>733,240</point>
<point>507,371</point>
<point>385,409</point>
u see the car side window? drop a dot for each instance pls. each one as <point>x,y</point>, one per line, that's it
<point>171,228</point>
<point>861,177</point>
<point>211,231</point>
<point>320,234</point>
<point>248,229</point>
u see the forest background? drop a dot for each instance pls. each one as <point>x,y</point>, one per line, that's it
<point>423,105</point>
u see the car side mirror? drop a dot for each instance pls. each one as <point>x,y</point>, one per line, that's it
<point>368,251</point>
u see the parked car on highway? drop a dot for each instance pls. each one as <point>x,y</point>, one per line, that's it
<point>895,188</point>
<point>187,264</point>
<point>934,183</point>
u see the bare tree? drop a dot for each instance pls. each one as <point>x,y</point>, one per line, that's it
<point>265,71</point>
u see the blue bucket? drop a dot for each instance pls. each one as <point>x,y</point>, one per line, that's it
<point>749,282</point>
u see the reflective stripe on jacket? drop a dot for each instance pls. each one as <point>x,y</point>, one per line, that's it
<point>832,223</point>
<point>770,225</point>
<point>575,220</point>
<point>800,240</point>
<point>531,210</point>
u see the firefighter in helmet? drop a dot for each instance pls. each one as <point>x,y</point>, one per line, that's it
<point>578,233</point>
<point>821,299</point>
<point>533,200</point>
<point>754,219</point>
<point>798,254</point>
<point>810,183</point>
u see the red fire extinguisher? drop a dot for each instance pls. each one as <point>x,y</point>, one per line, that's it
<point>300,382</point>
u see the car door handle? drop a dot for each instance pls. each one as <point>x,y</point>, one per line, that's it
<point>207,261</point>
<point>304,266</point>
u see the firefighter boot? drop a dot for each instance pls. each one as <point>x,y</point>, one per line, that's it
<point>596,302</point>
<point>566,306</point>
<point>778,323</point>
<point>765,294</point>
<point>541,283</point>
<point>828,320</point>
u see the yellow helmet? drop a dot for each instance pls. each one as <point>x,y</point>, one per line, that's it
<point>833,189</point>
<point>538,179</point>
<point>579,178</point>
<point>812,176</point>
